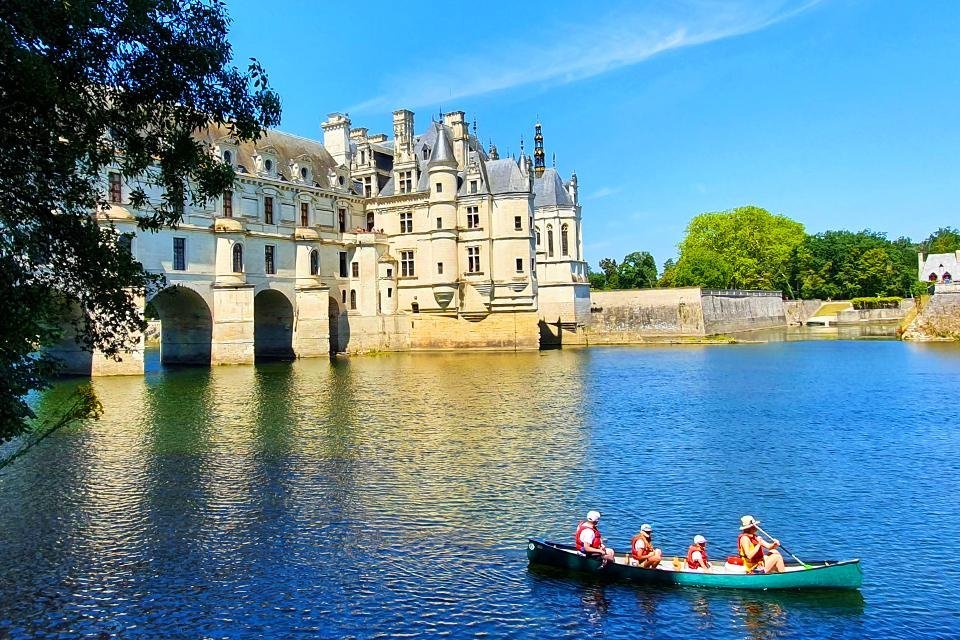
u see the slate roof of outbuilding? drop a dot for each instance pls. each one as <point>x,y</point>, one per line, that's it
<point>549,191</point>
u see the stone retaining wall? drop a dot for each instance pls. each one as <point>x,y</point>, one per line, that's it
<point>940,317</point>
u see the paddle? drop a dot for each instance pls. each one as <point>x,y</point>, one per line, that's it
<point>805,565</point>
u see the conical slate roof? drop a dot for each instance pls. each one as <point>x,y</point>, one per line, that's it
<point>442,152</point>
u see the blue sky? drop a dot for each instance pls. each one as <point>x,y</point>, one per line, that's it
<point>842,114</point>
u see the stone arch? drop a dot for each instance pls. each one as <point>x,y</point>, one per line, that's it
<point>75,358</point>
<point>186,326</point>
<point>272,326</point>
<point>237,257</point>
<point>335,314</point>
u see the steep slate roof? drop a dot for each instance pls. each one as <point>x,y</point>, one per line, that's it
<point>939,263</point>
<point>505,177</point>
<point>288,147</point>
<point>549,191</point>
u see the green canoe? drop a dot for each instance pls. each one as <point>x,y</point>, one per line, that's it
<point>823,574</point>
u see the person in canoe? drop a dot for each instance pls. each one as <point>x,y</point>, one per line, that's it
<point>588,540</point>
<point>758,555</point>
<point>697,554</point>
<point>642,550</point>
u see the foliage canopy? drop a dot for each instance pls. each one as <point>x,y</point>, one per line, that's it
<point>85,85</point>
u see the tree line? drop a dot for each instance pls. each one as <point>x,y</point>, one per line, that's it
<point>751,248</point>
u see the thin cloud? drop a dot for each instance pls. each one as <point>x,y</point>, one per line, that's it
<point>583,50</point>
<point>602,192</point>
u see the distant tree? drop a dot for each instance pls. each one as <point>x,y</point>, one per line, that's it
<point>611,273</point>
<point>597,279</point>
<point>846,264</point>
<point>84,85</point>
<point>668,275</point>
<point>638,270</point>
<point>745,248</point>
<point>943,240</point>
<point>702,267</point>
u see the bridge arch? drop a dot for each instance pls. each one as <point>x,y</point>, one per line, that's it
<point>186,326</point>
<point>272,326</point>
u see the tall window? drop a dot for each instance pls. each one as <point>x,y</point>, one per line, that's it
<point>269,262</point>
<point>355,269</point>
<point>116,187</point>
<point>550,241</point>
<point>370,221</point>
<point>406,222</point>
<point>518,223</point>
<point>564,241</point>
<point>439,186</point>
<point>439,268</point>
<point>473,259</point>
<point>519,265</point>
<point>343,296</point>
<point>473,186</point>
<point>473,217</point>
<point>268,210</point>
<point>179,254</point>
<point>439,223</point>
<point>342,219</point>
<point>304,214</point>
<point>343,264</point>
<point>238,258</point>
<point>353,298</point>
<point>368,187</point>
<point>314,262</point>
<point>228,202</point>
<point>538,237</point>
<point>406,263</point>
<point>125,242</point>
<point>227,157</point>
<point>406,182</point>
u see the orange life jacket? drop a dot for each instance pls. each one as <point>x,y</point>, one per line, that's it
<point>647,547</point>
<point>695,564</point>
<point>595,543</point>
<point>756,558</point>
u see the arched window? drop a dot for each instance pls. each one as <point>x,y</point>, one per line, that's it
<point>304,172</point>
<point>933,277</point>
<point>550,241</point>
<point>538,237</point>
<point>370,221</point>
<point>314,262</point>
<point>564,241</point>
<point>946,278</point>
<point>415,307</point>
<point>238,258</point>
<point>353,298</point>
<point>227,157</point>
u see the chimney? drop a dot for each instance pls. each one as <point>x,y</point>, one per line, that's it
<point>402,135</point>
<point>336,137</point>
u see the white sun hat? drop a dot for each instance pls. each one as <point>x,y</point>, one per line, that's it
<point>593,516</point>
<point>699,539</point>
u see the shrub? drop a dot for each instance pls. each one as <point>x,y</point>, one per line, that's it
<point>891,302</point>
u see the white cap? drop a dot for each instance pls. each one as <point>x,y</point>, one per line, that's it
<point>646,527</point>
<point>593,516</point>
<point>699,539</point>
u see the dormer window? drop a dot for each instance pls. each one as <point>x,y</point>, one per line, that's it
<point>426,153</point>
<point>304,172</point>
<point>268,165</point>
<point>227,157</point>
<point>473,186</point>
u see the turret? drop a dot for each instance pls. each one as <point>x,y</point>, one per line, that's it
<point>538,158</point>
<point>442,182</point>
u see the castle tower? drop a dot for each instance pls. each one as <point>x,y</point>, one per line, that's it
<point>442,170</point>
<point>538,159</point>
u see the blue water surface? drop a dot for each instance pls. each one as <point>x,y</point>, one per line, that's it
<point>391,496</point>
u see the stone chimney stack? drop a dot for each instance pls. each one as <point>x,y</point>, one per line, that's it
<point>336,137</point>
<point>403,133</point>
<point>457,121</point>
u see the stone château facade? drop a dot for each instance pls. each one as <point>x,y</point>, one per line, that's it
<point>362,243</point>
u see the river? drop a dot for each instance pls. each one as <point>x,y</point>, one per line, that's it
<point>392,495</point>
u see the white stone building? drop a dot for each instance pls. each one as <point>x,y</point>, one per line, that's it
<point>362,243</point>
<point>939,268</point>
